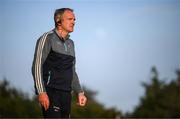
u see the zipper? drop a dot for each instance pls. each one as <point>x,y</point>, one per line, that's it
<point>65,47</point>
<point>49,77</point>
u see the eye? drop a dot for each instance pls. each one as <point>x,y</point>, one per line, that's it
<point>72,19</point>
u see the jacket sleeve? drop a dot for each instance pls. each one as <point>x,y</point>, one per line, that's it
<point>76,87</point>
<point>42,50</point>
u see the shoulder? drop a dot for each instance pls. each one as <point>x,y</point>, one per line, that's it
<point>71,41</point>
<point>46,36</point>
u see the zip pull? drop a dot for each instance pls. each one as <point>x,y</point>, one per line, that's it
<point>49,77</point>
<point>65,47</point>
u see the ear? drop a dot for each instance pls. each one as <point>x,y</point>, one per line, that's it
<point>58,19</point>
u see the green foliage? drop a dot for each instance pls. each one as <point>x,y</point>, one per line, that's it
<point>161,100</point>
<point>93,109</point>
<point>16,104</point>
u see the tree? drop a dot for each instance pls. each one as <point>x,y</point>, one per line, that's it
<point>93,109</point>
<point>160,99</point>
<point>17,104</point>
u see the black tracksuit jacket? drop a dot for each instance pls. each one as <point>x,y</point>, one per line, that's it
<point>54,64</point>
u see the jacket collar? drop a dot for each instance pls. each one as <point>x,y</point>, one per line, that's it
<point>59,35</point>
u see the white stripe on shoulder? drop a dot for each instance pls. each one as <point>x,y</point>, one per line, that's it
<point>38,63</point>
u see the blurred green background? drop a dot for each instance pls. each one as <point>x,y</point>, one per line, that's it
<point>160,100</point>
<point>128,56</point>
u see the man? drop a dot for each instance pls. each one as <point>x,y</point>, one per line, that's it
<point>54,68</point>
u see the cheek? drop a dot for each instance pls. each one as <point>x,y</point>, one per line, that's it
<point>65,26</point>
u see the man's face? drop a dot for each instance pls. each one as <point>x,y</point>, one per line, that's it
<point>68,21</point>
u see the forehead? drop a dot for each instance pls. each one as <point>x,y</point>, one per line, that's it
<point>68,13</point>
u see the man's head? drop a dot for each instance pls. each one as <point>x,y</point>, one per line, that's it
<point>64,19</point>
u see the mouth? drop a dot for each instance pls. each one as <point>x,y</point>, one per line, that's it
<point>72,26</point>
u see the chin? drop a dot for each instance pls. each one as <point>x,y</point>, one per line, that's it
<point>71,30</point>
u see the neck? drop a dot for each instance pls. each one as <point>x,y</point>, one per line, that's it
<point>62,33</point>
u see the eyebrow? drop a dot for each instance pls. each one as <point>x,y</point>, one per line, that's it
<point>71,18</point>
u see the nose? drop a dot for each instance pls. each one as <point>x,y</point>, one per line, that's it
<point>73,21</point>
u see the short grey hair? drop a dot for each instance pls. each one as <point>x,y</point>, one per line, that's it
<point>59,13</point>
